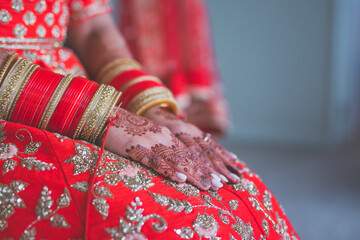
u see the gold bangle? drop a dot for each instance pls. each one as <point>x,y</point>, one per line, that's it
<point>152,97</point>
<point>22,83</point>
<point>6,66</point>
<point>101,127</point>
<point>54,100</point>
<point>116,63</point>
<point>97,113</point>
<point>10,83</point>
<point>137,80</point>
<point>88,109</point>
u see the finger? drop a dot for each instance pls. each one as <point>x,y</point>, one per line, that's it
<point>230,159</point>
<point>181,160</point>
<point>198,157</point>
<point>201,157</point>
<point>217,160</point>
<point>148,158</point>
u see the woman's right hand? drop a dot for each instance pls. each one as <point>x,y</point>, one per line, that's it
<point>155,146</point>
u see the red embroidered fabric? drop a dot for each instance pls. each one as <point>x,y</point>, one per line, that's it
<point>36,29</point>
<point>44,186</point>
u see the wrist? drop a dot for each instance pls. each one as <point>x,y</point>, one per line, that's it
<point>140,91</point>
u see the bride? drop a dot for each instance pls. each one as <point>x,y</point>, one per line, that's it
<point>55,187</point>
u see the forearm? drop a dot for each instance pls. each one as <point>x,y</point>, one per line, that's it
<point>69,105</point>
<point>97,42</point>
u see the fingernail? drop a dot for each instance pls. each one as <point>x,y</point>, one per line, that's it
<point>234,176</point>
<point>234,155</point>
<point>181,176</point>
<point>216,177</point>
<point>223,178</point>
<point>216,183</point>
<point>205,183</point>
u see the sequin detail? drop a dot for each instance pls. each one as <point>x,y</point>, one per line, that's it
<point>5,16</point>
<point>9,200</point>
<point>17,5</point>
<point>49,19</point>
<point>20,30</point>
<point>40,6</point>
<point>29,18</point>
<point>130,226</point>
<point>41,31</point>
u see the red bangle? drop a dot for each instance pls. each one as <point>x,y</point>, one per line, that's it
<point>47,96</point>
<point>123,78</point>
<point>34,93</point>
<point>75,106</point>
<point>58,118</point>
<point>40,91</point>
<point>85,102</point>
<point>135,89</point>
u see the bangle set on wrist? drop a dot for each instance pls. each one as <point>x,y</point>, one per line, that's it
<point>140,91</point>
<point>69,105</point>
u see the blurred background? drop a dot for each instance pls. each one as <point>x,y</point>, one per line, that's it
<point>291,75</point>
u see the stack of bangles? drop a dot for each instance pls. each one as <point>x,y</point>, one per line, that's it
<point>141,91</point>
<point>69,105</point>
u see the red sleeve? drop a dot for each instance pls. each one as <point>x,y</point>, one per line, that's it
<point>83,10</point>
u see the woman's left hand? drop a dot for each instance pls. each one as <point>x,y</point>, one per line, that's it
<point>198,143</point>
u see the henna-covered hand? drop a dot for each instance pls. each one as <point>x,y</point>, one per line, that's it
<point>156,147</point>
<point>205,149</point>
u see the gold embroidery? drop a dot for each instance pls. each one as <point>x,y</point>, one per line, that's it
<point>130,226</point>
<point>9,200</point>
<point>44,211</point>
<point>9,151</point>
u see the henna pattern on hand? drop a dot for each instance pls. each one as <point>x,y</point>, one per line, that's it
<point>189,142</point>
<point>138,153</point>
<point>136,125</point>
<point>210,152</point>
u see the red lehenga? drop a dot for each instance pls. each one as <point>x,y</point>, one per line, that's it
<point>45,181</point>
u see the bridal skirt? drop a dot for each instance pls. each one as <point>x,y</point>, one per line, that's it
<point>50,189</point>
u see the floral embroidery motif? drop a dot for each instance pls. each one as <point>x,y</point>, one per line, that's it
<point>246,185</point>
<point>267,200</point>
<point>265,226</point>
<point>9,151</point>
<point>44,211</point>
<point>175,205</point>
<point>281,227</point>
<point>244,230</point>
<point>84,160</point>
<point>205,225</point>
<point>5,16</point>
<point>81,186</point>
<point>130,226</point>
<point>9,200</point>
